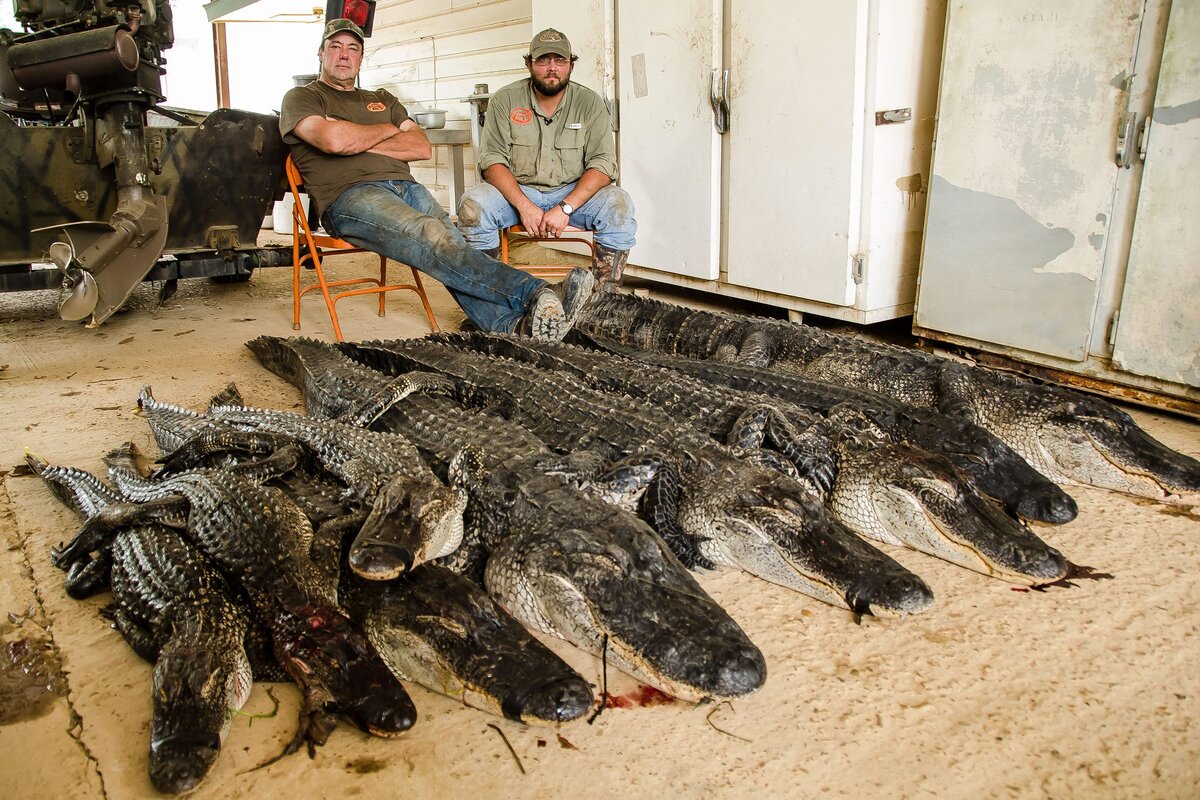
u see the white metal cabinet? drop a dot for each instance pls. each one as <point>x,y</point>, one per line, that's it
<point>670,151</point>
<point>797,88</point>
<point>1039,245</point>
<point>822,173</point>
<point>1158,330</point>
<point>1023,172</point>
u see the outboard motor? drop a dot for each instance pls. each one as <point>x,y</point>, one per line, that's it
<point>99,64</point>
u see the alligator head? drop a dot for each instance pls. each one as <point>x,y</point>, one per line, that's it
<point>411,521</point>
<point>325,651</point>
<point>625,596</point>
<point>195,692</point>
<point>902,496</point>
<point>1073,438</point>
<point>438,629</point>
<point>774,530</point>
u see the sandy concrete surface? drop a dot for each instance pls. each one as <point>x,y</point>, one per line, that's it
<point>1088,691</point>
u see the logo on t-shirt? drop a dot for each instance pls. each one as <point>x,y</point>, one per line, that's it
<point>521,116</point>
<point>376,107</point>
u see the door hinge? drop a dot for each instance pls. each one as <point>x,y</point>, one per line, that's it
<point>614,113</point>
<point>1111,338</point>
<point>856,269</point>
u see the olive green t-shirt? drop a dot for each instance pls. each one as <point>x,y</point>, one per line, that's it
<point>547,152</point>
<point>327,175</point>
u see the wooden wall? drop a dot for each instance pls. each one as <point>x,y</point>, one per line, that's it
<point>431,53</point>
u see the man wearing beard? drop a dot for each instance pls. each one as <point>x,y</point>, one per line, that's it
<point>548,160</point>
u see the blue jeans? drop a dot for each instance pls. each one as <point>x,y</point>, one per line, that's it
<point>483,211</point>
<point>401,220</point>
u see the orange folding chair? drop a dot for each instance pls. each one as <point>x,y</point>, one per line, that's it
<point>308,247</point>
<point>517,234</point>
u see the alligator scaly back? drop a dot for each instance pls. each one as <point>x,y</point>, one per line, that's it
<point>733,512</point>
<point>561,562</point>
<point>261,540</point>
<point>1068,436</point>
<point>880,489</point>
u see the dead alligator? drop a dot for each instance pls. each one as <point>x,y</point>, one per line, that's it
<point>726,510</point>
<point>413,517</point>
<point>261,540</point>
<point>177,611</point>
<point>560,562</point>
<point>436,628</point>
<point>431,626</point>
<point>879,489</point>
<point>1067,436</point>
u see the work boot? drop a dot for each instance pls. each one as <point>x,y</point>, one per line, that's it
<point>609,268</point>
<point>545,318</point>
<point>574,291</point>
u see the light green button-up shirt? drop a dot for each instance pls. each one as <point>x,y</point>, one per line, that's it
<point>547,152</point>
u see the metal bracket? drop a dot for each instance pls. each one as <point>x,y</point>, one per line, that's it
<point>222,238</point>
<point>856,269</point>
<point>1144,138</point>
<point>718,98</point>
<point>893,116</point>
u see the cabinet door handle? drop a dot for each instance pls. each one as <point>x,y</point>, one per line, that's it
<point>718,98</point>
<point>1127,140</point>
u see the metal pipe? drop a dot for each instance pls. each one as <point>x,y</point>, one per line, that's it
<point>63,61</point>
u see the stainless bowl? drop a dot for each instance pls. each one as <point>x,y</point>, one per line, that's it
<point>432,119</point>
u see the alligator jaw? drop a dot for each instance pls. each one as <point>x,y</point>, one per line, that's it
<point>410,522</point>
<point>634,603</point>
<point>1120,456</point>
<point>954,523</point>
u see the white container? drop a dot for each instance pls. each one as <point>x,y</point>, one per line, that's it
<point>283,212</point>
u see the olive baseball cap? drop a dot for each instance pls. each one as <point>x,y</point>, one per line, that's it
<point>550,42</point>
<point>336,26</point>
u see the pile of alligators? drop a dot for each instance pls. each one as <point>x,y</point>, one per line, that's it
<point>444,497</point>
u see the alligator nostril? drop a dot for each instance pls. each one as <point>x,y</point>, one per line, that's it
<point>1048,565</point>
<point>379,557</point>
<point>560,700</point>
<point>901,594</point>
<point>746,674</point>
<point>1056,507</point>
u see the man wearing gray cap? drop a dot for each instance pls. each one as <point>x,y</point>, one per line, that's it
<point>548,158</point>
<point>353,147</point>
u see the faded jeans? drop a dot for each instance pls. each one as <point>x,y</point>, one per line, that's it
<point>483,211</point>
<point>401,220</point>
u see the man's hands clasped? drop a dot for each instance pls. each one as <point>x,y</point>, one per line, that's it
<point>549,224</point>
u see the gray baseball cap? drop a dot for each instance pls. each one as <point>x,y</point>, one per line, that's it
<point>336,26</point>
<point>550,42</point>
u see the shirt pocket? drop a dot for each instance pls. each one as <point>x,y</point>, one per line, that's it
<point>568,156</point>
<point>523,155</point>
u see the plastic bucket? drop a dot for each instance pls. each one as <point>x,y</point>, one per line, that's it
<point>283,212</point>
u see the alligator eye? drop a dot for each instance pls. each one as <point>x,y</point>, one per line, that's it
<point>937,486</point>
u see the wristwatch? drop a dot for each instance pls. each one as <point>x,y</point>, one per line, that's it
<point>567,208</point>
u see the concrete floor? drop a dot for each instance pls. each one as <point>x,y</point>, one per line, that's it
<point>1090,691</point>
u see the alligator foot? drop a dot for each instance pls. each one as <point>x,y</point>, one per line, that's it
<point>313,729</point>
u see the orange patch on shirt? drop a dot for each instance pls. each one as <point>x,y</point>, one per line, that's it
<point>376,107</point>
<point>521,116</point>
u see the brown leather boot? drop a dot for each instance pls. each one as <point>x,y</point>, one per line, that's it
<point>609,268</point>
